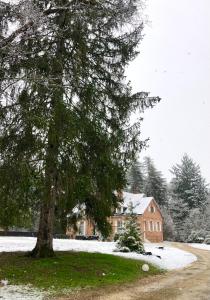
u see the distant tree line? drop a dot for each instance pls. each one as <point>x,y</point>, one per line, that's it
<point>184,202</point>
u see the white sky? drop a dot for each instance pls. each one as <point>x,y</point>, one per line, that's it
<point>174,64</point>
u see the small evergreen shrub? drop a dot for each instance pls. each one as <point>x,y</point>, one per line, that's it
<point>196,237</point>
<point>207,239</point>
<point>130,239</point>
<point>116,237</point>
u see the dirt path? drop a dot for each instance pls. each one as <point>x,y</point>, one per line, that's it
<point>192,282</point>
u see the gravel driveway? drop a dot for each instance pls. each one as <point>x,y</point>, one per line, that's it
<point>192,282</point>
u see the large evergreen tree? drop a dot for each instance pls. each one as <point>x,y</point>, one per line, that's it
<point>154,184</point>
<point>188,204</point>
<point>188,183</point>
<point>65,107</point>
<point>135,178</point>
<point>179,211</point>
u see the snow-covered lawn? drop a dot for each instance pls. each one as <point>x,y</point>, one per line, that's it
<point>201,246</point>
<point>171,258</point>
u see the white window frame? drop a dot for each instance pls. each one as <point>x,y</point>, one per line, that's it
<point>119,210</point>
<point>158,226</point>
<point>119,228</point>
<point>145,225</point>
<point>82,225</point>
<point>151,226</point>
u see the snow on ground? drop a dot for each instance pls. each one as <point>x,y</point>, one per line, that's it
<point>171,258</point>
<point>12,292</point>
<point>201,246</point>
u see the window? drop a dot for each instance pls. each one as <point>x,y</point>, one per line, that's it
<point>119,226</point>
<point>159,226</point>
<point>152,209</point>
<point>119,210</point>
<point>82,228</point>
<point>145,225</point>
<point>151,225</point>
<point>95,231</point>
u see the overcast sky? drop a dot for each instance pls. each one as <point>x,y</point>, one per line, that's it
<point>174,64</point>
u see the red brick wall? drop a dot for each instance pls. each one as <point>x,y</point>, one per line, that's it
<point>149,218</point>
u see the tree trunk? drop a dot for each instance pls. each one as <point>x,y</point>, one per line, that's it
<point>44,245</point>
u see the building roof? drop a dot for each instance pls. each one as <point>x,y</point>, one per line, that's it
<point>139,202</point>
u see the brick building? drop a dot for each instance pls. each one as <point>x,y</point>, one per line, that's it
<point>148,213</point>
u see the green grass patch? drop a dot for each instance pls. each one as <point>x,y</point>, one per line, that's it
<point>69,270</point>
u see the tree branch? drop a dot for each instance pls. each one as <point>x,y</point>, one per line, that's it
<point>20,30</point>
<point>29,24</point>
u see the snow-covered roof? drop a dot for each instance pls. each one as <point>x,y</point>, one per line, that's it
<point>139,202</point>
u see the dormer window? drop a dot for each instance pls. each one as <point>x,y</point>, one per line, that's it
<point>119,210</point>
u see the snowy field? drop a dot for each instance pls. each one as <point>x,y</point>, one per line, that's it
<point>171,258</point>
<point>201,246</point>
